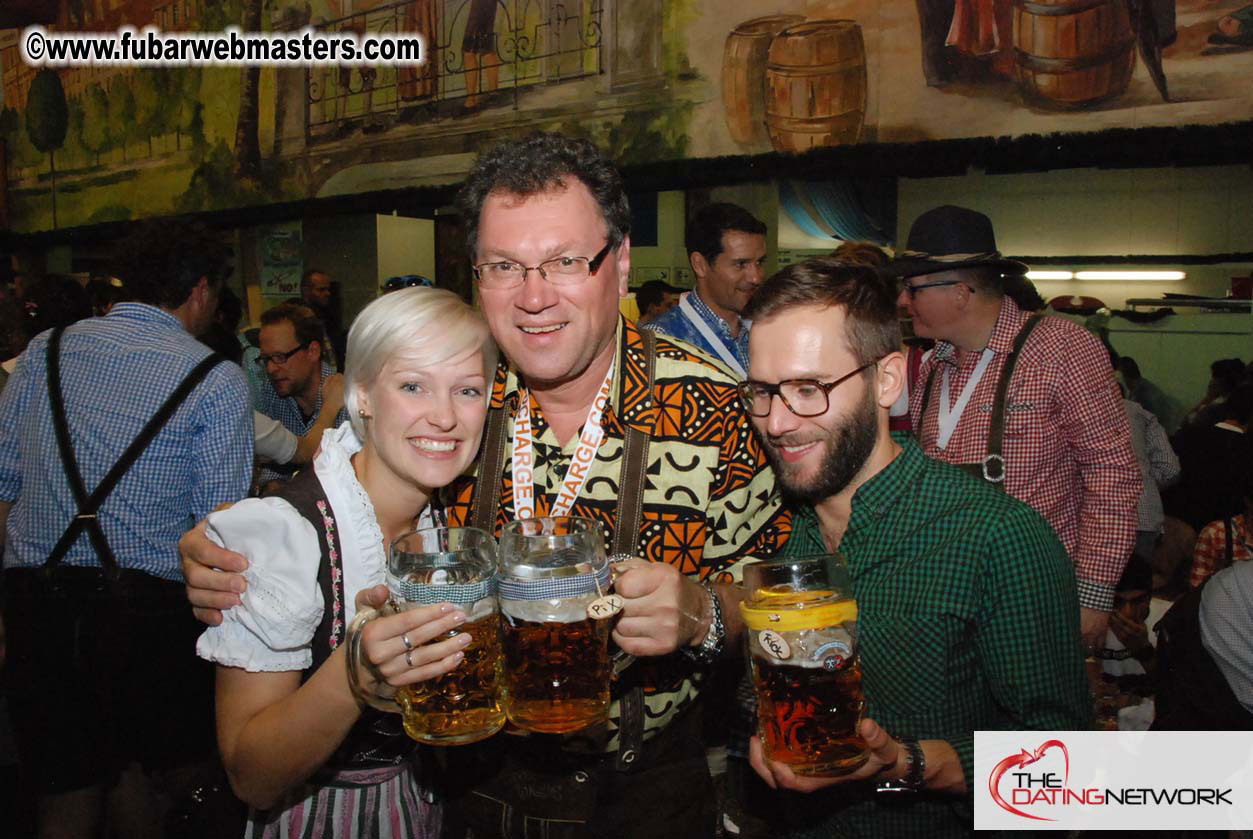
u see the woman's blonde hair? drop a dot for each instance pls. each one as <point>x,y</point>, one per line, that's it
<point>433,324</point>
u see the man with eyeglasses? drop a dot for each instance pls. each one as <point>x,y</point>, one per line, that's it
<point>291,342</point>
<point>727,250</point>
<point>967,611</point>
<point>1026,402</point>
<point>587,413</point>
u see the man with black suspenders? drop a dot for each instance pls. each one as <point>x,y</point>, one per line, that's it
<point>1023,401</point>
<point>115,435</point>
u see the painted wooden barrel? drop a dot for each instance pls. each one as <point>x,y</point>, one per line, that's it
<point>816,85</point>
<point>744,75</point>
<point>1073,53</point>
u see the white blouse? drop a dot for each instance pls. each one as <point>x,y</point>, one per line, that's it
<point>272,629</point>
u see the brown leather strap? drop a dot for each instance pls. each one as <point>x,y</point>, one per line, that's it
<point>486,501</point>
<point>632,477</point>
<point>626,534</point>
<point>994,461</point>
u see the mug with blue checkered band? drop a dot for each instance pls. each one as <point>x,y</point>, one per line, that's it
<point>454,565</point>
<point>556,611</point>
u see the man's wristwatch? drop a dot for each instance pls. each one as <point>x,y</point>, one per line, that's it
<point>915,768</point>
<point>711,648</point>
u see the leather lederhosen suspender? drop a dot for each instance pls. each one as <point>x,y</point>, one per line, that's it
<point>992,467</point>
<point>626,533</point>
<point>89,504</point>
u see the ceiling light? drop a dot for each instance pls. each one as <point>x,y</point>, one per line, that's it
<point>1050,275</point>
<point>1130,275</point>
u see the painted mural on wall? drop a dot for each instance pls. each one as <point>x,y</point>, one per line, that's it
<point>646,79</point>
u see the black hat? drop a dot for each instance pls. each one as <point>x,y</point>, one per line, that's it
<point>951,237</point>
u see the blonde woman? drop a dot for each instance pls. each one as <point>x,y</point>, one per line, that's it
<point>297,746</point>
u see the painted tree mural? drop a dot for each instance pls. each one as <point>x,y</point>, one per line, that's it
<point>47,119</point>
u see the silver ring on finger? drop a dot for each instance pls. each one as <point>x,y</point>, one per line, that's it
<point>409,658</point>
<point>404,639</point>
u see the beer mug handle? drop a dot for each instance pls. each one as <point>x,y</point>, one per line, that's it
<point>381,701</point>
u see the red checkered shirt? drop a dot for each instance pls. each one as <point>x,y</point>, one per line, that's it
<point>1067,444</point>
<point>1210,554</point>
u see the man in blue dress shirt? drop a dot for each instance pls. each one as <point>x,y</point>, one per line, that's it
<point>105,694</point>
<point>726,247</point>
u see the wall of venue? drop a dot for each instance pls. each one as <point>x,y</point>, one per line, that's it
<point>648,80</point>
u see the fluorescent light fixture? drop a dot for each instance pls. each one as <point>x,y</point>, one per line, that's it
<point>1050,275</point>
<point>1130,275</point>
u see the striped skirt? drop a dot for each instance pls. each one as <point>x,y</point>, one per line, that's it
<point>387,803</point>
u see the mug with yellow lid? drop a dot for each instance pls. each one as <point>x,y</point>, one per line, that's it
<point>800,620</point>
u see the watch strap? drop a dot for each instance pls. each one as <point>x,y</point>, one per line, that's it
<point>915,770</point>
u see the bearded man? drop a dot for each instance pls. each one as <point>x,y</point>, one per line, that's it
<point>967,606</point>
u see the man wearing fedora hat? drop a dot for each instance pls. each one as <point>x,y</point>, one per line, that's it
<point>1026,402</point>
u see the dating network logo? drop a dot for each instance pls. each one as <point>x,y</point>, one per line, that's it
<point>1034,782</point>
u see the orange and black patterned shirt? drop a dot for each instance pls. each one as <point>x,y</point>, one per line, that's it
<point>709,495</point>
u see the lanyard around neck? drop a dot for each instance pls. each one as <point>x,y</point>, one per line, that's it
<point>949,417</point>
<point>713,340</point>
<point>580,465</point>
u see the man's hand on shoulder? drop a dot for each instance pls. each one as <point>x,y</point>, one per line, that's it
<point>214,575</point>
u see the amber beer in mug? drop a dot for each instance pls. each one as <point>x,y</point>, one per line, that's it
<point>454,565</point>
<point>553,575</point>
<point>800,619</point>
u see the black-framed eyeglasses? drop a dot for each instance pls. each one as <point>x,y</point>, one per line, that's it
<point>280,357</point>
<point>561,270</point>
<point>913,290</point>
<point>406,281</point>
<point>803,397</point>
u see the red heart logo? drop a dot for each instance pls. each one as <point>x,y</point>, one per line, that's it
<point>1024,758</point>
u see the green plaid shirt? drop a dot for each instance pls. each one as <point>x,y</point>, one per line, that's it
<point>968,620</point>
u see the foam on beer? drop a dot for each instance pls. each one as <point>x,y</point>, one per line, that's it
<point>562,610</point>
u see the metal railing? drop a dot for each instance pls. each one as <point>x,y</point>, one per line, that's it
<point>480,52</point>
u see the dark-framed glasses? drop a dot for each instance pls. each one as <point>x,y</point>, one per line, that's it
<point>803,397</point>
<point>279,357</point>
<point>912,290</point>
<point>561,270</point>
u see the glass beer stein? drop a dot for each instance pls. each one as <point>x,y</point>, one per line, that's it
<point>801,624</point>
<point>555,610</point>
<point>454,565</point>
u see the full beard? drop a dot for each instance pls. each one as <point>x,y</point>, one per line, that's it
<point>848,447</point>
